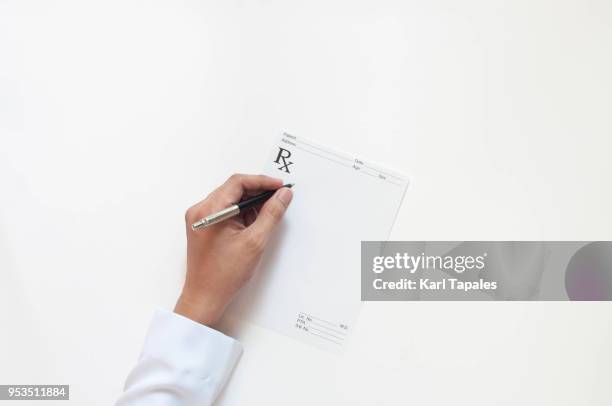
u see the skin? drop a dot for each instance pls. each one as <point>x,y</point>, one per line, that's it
<point>222,258</point>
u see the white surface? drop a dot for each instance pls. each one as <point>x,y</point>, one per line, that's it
<point>115,116</point>
<point>306,285</point>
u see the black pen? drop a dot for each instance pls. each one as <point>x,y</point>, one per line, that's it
<point>235,209</point>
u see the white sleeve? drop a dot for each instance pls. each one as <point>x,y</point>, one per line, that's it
<point>182,363</point>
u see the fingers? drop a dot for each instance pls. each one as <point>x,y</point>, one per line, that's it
<point>230,193</point>
<point>269,216</point>
<point>250,216</point>
<point>238,184</point>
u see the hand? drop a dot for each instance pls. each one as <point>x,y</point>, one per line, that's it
<point>222,258</point>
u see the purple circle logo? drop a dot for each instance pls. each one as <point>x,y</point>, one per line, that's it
<point>589,273</point>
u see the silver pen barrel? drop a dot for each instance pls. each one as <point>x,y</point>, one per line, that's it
<point>216,217</point>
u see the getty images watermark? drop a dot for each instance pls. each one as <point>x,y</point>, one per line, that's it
<point>486,270</point>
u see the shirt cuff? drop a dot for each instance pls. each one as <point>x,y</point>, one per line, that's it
<point>203,357</point>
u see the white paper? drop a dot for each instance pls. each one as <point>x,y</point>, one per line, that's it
<point>307,285</point>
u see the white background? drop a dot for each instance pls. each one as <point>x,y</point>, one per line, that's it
<point>115,116</point>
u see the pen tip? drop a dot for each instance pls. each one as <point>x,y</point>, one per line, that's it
<point>290,185</point>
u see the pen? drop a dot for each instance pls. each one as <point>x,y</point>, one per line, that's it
<point>234,209</point>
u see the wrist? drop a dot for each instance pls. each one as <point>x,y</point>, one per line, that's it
<point>199,310</point>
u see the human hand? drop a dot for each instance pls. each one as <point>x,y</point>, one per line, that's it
<point>222,258</point>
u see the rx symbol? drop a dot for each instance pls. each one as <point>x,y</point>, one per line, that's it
<point>281,158</point>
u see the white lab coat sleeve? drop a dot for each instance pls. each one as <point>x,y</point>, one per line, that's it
<point>182,363</point>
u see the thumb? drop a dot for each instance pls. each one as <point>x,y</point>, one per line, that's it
<point>270,215</point>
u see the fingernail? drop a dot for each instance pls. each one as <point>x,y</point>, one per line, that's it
<point>285,195</point>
